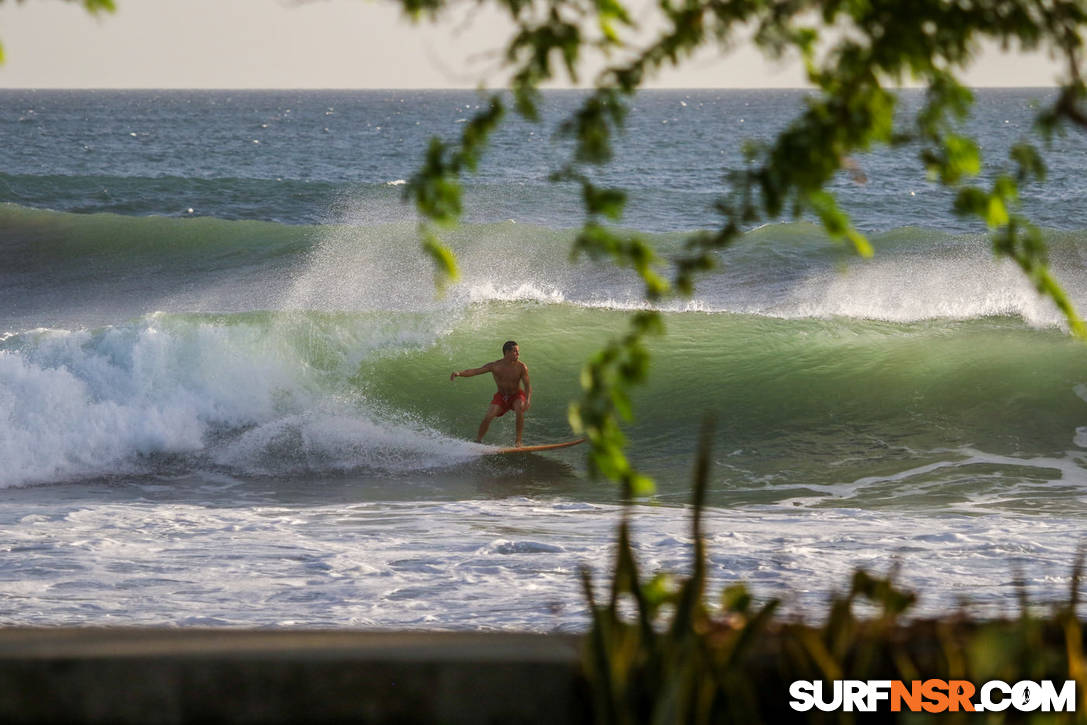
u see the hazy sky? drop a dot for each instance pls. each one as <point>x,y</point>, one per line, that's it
<point>322,44</point>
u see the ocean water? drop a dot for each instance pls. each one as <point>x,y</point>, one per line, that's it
<point>224,393</point>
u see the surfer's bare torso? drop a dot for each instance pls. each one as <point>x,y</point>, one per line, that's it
<point>507,375</point>
<point>514,388</point>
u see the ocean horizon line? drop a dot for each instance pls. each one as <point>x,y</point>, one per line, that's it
<point>677,89</point>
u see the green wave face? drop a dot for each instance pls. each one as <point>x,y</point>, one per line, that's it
<point>807,409</point>
<point>798,403</point>
<point>931,371</point>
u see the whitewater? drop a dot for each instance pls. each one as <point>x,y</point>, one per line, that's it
<point>224,369</point>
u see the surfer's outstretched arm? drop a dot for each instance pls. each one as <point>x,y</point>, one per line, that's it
<point>471,372</point>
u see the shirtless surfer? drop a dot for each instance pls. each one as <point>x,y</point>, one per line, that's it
<point>509,374</point>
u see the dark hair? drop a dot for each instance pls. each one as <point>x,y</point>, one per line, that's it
<point>508,346</point>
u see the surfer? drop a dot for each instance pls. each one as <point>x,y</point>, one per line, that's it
<point>510,374</point>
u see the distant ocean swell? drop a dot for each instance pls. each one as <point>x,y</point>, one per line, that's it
<point>783,270</point>
<point>279,200</point>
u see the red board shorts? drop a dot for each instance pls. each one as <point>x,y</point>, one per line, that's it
<point>505,402</point>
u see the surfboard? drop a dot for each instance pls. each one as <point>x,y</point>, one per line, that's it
<point>534,449</point>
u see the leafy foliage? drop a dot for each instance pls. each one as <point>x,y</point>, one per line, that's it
<point>855,55</point>
<point>659,652</point>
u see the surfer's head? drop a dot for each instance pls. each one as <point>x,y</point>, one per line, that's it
<point>511,347</point>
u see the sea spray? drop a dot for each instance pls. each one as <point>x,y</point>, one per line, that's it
<point>257,394</point>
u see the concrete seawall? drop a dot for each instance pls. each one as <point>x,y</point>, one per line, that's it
<point>182,676</point>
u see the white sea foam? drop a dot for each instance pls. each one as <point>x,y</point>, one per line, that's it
<point>480,293</point>
<point>325,441</point>
<point>1081,391</point>
<point>909,289</point>
<point>82,403</point>
<point>521,292</point>
<point>1067,473</point>
<point>483,564</point>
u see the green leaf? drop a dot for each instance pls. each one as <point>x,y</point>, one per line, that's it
<point>860,242</point>
<point>659,590</point>
<point>608,31</point>
<point>621,401</point>
<point>97,6</point>
<point>573,417</point>
<point>837,223</point>
<point>641,486</point>
<point>606,202</point>
<point>445,262</point>
<point>736,598</point>
<point>1029,163</point>
<point>996,213</point>
<point>963,157</point>
<point>971,201</point>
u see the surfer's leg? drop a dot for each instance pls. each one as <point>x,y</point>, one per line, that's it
<point>492,413</point>
<point>519,408</point>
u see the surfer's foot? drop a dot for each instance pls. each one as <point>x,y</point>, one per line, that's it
<point>517,444</point>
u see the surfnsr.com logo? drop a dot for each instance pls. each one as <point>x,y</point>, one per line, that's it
<point>932,696</point>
